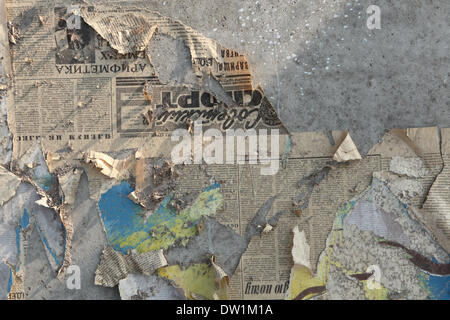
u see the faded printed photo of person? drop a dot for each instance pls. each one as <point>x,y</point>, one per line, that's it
<point>74,38</point>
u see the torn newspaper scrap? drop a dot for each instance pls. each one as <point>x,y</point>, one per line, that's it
<point>117,168</point>
<point>300,249</point>
<point>115,266</point>
<point>347,150</point>
<point>68,183</point>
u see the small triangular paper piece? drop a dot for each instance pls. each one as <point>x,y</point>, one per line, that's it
<point>347,150</point>
<point>300,249</point>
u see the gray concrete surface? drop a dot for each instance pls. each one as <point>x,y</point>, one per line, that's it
<point>343,75</point>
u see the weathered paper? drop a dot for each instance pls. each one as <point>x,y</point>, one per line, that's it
<point>115,266</point>
<point>245,190</point>
<point>418,156</point>
<point>69,185</point>
<point>105,93</point>
<point>110,166</point>
<point>89,97</point>
<point>148,287</point>
<point>414,168</point>
<point>9,183</point>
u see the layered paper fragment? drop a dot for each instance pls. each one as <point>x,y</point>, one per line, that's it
<point>115,266</point>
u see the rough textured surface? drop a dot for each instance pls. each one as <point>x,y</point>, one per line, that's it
<point>360,247</point>
<point>147,287</point>
<point>359,250</point>
<point>411,167</point>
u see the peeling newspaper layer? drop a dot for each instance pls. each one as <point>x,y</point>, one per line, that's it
<point>92,63</point>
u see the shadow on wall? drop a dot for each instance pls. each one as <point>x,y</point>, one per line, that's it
<point>324,69</point>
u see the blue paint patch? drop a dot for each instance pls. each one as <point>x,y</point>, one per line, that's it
<point>25,220</point>
<point>122,217</point>
<point>10,280</point>
<point>18,241</point>
<point>439,287</point>
<point>287,151</point>
<point>23,224</point>
<point>213,186</point>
